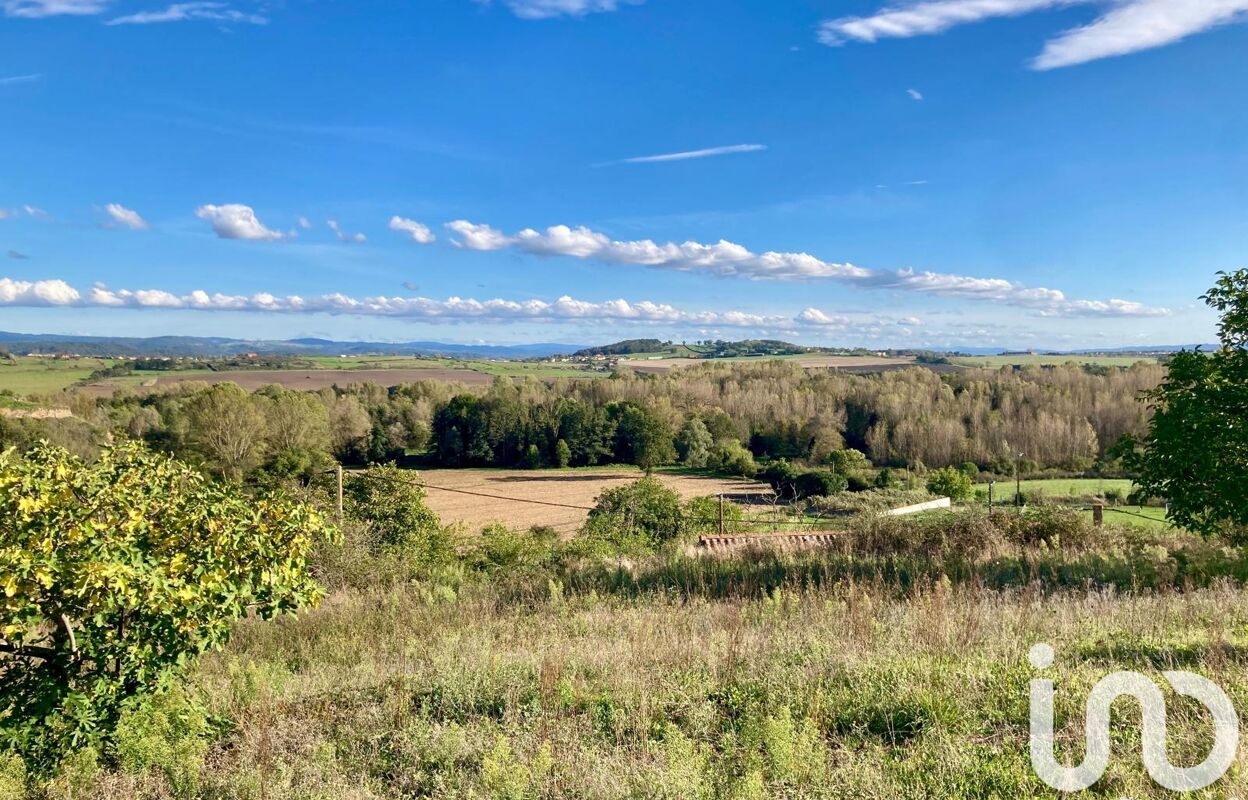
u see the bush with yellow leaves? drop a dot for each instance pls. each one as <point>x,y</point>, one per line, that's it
<point>116,574</point>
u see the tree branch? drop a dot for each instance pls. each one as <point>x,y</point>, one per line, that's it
<point>31,651</point>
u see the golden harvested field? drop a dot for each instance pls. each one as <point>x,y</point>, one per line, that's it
<point>570,487</point>
<point>852,363</point>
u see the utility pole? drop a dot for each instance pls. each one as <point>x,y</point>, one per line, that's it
<point>991,484</point>
<point>338,475</point>
<point>1018,481</point>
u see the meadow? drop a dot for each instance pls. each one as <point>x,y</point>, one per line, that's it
<point>27,376</point>
<point>896,671</point>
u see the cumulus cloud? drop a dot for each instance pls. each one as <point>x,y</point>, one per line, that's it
<point>1127,26</point>
<point>36,9</point>
<point>546,9</point>
<point>685,155</point>
<point>730,260</point>
<point>304,223</point>
<point>417,232</point>
<point>125,216</point>
<point>236,221</point>
<point>915,94</point>
<point>182,12</point>
<point>343,236</point>
<point>37,293</point>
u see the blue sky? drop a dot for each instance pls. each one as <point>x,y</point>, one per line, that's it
<point>1045,173</point>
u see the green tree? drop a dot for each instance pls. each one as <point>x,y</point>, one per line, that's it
<point>563,454</point>
<point>227,428</point>
<point>115,574</point>
<point>950,482</point>
<point>641,436</point>
<point>847,462</point>
<point>1195,453</point>
<point>638,516</point>
<point>694,443</point>
<point>391,502</point>
<point>731,458</point>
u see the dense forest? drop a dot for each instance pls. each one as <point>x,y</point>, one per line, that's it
<point>719,416</point>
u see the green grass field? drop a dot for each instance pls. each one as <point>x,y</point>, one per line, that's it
<point>30,376</point>
<point>1073,487</point>
<point>994,362</point>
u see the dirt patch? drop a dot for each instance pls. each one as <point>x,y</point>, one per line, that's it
<point>509,489</point>
<point>307,379</point>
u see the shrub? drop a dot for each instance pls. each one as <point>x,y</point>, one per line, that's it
<point>116,574</point>
<point>640,515</point>
<point>731,458</point>
<point>952,483</point>
<point>819,483</point>
<point>563,454</point>
<point>391,503</point>
<point>847,462</point>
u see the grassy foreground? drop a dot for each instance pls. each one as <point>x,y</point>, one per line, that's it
<point>898,673</point>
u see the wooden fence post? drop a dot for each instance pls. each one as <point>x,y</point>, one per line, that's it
<point>338,474</point>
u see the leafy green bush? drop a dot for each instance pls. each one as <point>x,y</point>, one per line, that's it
<point>952,483</point>
<point>731,458</point>
<point>819,483</point>
<point>118,573</point>
<point>391,502</point>
<point>641,515</point>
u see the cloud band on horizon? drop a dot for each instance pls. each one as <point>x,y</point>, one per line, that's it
<point>730,260</point>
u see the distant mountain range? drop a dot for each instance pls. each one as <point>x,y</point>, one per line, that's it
<point>210,347</point>
<point>217,347</point>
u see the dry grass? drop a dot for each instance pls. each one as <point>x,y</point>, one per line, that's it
<point>573,487</point>
<point>845,691</point>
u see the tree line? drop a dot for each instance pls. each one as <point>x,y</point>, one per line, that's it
<point>725,417</point>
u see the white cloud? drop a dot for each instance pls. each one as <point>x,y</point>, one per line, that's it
<point>182,12</point>
<point>126,216</point>
<point>477,237</point>
<point>1128,26</point>
<point>417,232</point>
<point>915,94</point>
<point>37,293</point>
<point>36,9</point>
<point>546,9</point>
<point>1138,25</point>
<point>343,236</point>
<point>688,154</point>
<point>14,80</point>
<point>730,260</point>
<point>59,293</point>
<point>304,223</point>
<point>236,221</point>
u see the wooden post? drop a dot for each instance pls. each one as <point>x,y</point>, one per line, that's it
<point>721,514</point>
<point>338,474</point>
<point>1098,514</point>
